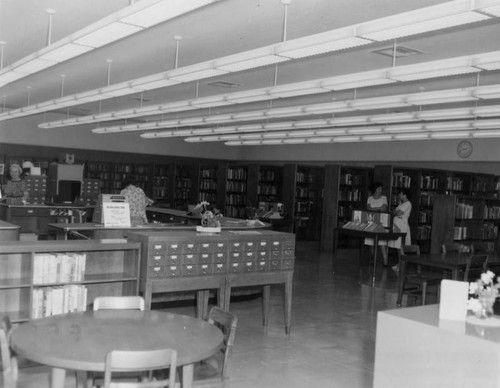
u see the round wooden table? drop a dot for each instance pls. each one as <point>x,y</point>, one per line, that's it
<point>80,341</point>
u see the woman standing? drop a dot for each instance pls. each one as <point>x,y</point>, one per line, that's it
<point>401,216</point>
<point>16,191</point>
<point>137,200</point>
<point>377,203</point>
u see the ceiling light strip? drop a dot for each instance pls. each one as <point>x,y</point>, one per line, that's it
<point>437,17</point>
<point>128,21</point>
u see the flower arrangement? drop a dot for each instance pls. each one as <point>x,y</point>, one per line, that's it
<point>209,218</point>
<point>484,292</point>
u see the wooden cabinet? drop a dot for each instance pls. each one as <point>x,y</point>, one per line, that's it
<point>111,268</point>
<point>183,261</point>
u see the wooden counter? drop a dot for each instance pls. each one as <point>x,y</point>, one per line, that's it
<point>8,231</point>
<point>416,349</point>
<point>92,230</point>
<point>35,218</point>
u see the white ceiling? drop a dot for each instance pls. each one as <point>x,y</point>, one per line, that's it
<point>220,29</point>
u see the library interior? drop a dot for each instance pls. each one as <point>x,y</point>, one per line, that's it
<point>309,188</point>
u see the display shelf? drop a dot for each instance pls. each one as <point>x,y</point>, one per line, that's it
<point>111,268</point>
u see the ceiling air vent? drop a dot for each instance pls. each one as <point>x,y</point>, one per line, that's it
<point>223,84</point>
<point>401,51</point>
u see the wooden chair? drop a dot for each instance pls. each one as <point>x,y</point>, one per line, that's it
<point>477,264</point>
<point>119,303</point>
<point>113,303</point>
<point>140,362</point>
<point>417,283</point>
<point>212,372</point>
<point>9,362</point>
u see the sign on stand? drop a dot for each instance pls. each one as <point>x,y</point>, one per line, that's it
<point>112,210</point>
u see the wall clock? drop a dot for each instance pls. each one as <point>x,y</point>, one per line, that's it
<point>464,149</point>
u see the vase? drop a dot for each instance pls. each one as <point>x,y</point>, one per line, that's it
<point>487,302</point>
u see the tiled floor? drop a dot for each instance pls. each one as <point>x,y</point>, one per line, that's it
<point>332,340</point>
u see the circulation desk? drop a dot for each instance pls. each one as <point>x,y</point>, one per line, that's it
<point>35,218</point>
<point>180,261</point>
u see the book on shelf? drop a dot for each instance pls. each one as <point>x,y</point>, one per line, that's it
<point>58,267</point>
<point>47,301</point>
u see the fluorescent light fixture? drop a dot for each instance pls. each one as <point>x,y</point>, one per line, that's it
<point>128,21</point>
<point>486,111</point>
<point>441,97</point>
<point>321,43</point>
<point>364,130</point>
<point>296,89</point>
<point>357,80</point>
<point>411,136</point>
<point>263,56</point>
<point>449,14</point>
<point>378,103</point>
<point>194,72</point>
<point>107,34</point>
<point>433,69</point>
<point>482,134</point>
<point>392,117</point>
<point>445,114</point>
<point>325,84</point>
<point>449,135</point>
<point>404,128</point>
<point>346,139</point>
<point>483,124</point>
<point>448,126</point>
<point>382,137</point>
<point>490,7</point>
<point>156,13</point>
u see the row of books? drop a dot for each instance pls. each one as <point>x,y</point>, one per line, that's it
<point>492,212</point>
<point>58,267</point>
<point>425,216</point>
<point>350,195</point>
<point>424,232</point>
<point>47,301</point>
<point>464,210</point>
<point>401,180</point>
<point>460,233</point>
<point>429,182</point>
<point>349,179</point>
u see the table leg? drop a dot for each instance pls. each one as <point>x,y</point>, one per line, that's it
<point>375,250</point>
<point>401,276</point>
<point>58,378</point>
<point>266,298</point>
<point>288,303</point>
<point>187,376</point>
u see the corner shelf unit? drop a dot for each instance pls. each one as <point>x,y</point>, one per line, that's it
<point>111,268</point>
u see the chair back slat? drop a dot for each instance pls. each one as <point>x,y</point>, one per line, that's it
<point>9,363</point>
<point>227,322</point>
<point>119,303</point>
<point>139,361</point>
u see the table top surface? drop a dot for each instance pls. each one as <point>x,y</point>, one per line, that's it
<point>80,341</point>
<point>446,261</point>
<point>368,233</point>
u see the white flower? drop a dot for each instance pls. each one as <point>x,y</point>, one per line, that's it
<point>487,277</point>
<point>474,305</point>
<point>473,288</point>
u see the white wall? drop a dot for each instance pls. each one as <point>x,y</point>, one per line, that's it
<point>425,154</point>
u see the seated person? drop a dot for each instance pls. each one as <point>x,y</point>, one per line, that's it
<point>15,191</point>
